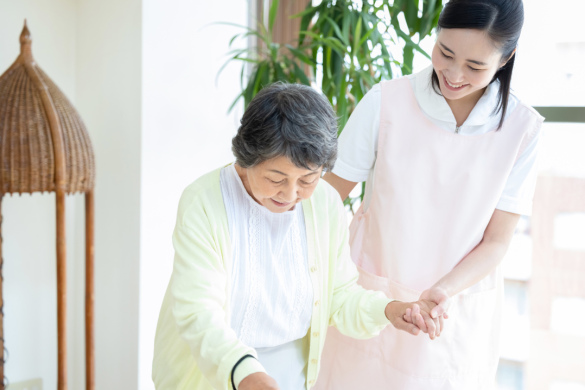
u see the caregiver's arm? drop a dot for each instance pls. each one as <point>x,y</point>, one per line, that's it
<point>342,186</point>
<point>478,263</point>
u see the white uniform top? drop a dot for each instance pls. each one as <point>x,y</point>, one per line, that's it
<point>359,139</point>
<point>271,301</point>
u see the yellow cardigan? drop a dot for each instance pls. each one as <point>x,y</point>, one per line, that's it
<point>195,348</point>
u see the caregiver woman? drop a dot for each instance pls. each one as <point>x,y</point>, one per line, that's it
<point>262,264</point>
<point>448,155</point>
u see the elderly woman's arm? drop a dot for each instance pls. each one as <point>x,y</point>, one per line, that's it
<point>198,289</point>
<point>357,312</point>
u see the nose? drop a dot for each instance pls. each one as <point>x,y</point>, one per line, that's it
<point>289,193</point>
<point>455,74</point>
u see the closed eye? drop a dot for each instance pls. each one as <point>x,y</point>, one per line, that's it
<point>446,56</point>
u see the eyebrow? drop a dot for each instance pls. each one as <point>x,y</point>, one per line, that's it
<point>284,174</point>
<point>452,52</point>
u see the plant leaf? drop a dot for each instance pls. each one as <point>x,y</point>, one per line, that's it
<point>366,36</point>
<point>310,10</point>
<point>426,23</point>
<point>356,37</point>
<point>301,75</point>
<point>301,55</point>
<point>337,30</point>
<point>410,42</point>
<point>272,14</point>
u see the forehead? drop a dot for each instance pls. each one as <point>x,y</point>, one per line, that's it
<point>285,165</point>
<point>470,44</point>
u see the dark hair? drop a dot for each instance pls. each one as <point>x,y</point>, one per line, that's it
<point>502,21</point>
<point>287,120</point>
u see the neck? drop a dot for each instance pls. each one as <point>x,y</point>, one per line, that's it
<point>461,108</point>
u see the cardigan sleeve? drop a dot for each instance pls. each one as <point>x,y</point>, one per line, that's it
<point>198,288</point>
<point>354,311</point>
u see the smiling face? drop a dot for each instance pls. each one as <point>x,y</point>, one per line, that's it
<point>278,184</point>
<point>465,61</point>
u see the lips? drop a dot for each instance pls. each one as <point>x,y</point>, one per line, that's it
<point>453,87</point>
<point>280,204</point>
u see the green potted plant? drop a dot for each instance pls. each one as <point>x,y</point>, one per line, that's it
<point>343,48</point>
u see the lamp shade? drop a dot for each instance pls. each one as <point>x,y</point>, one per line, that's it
<point>44,144</point>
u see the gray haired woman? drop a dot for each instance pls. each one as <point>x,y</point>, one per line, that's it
<point>262,263</point>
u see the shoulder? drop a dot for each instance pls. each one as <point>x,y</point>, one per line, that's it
<point>527,117</point>
<point>375,90</point>
<point>372,97</point>
<point>202,195</point>
<point>324,192</point>
<point>385,84</point>
<point>524,120</point>
<point>325,197</point>
<point>528,111</point>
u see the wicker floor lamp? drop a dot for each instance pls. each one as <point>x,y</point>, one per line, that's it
<point>44,146</point>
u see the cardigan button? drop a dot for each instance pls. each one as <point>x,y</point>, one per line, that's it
<point>311,382</point>
<point>316,303</point>
<point>315,334</point>
<point>313,269</point>
<point>314,361</point>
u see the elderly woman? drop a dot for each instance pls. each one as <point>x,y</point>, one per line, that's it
<point>261,265</point>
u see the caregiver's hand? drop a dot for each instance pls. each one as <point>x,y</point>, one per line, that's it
<point>258,381</point>
<point>439,296</point>
<point>433,324</point>
<point>421,317</point>
<point>395,312</point>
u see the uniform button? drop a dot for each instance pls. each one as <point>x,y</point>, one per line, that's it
<point>314,361</point>
<point>315,334</point>
<point>316,303</point>
<point>313,269</point>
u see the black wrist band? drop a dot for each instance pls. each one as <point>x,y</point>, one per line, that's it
<point>236,365</point>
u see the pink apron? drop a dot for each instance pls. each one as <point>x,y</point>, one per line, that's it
<point>434,193</point>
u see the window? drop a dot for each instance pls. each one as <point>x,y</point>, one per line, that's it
<point>545,266</point>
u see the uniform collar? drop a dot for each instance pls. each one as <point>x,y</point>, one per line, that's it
<point>435,105</point>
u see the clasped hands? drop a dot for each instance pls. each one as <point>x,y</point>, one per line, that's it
<point>426,315</point>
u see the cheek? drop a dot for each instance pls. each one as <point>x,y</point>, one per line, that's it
<point>438,60</point>
<point>263,189</point>
<point>479,79</point>
<point>305,193</point>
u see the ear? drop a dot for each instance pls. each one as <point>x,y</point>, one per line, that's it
<point>507,59</point>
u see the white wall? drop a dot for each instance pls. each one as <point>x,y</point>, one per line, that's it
<point>142,75</point>
<point>92,50</point>
<point>108,89</point>
<point>185,129</point>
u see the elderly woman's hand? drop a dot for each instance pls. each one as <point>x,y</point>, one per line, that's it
<point>258,381</point>
<point>421,316</point>
<point>396,311</point>
<point>435,302</point>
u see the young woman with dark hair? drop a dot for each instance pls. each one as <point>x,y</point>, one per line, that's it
<point>448,156</point>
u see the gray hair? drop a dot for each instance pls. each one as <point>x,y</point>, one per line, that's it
<point>289,120</point>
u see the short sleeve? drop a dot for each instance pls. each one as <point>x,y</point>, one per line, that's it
<point>519,189</point>
<point>358,140</point>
